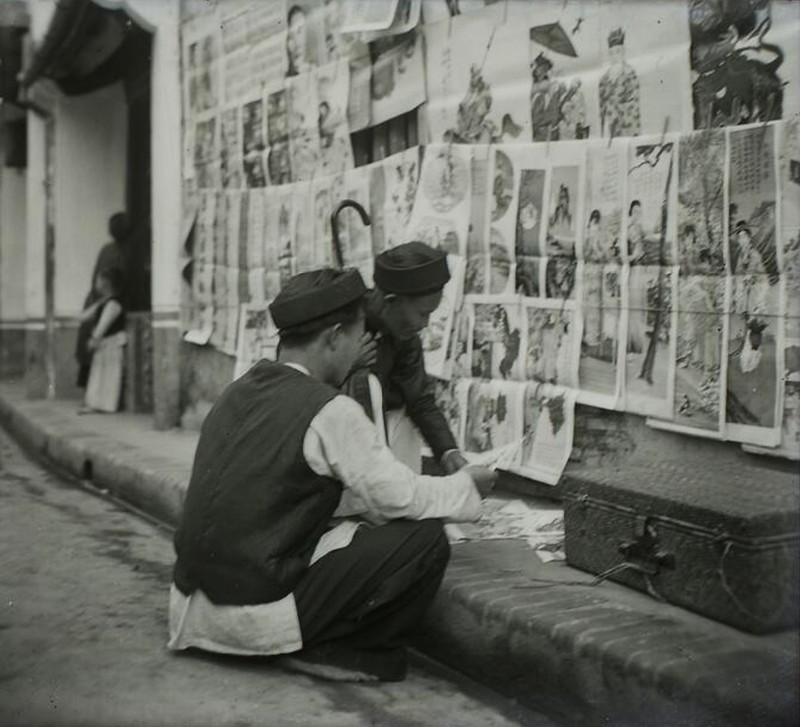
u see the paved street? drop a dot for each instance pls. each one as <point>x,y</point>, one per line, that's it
<point>83,588</point>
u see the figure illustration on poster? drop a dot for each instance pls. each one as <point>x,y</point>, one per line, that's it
<point>619,92</point>
<point>699,351</point>
<point>562,220</point>
<point>493,415</point>
<point>651,210</point>
<point>548,422</point>
<point>558,109</point>
<point>496,341</point>
<point>752,194</point>
<point>549,354</point>
<point>752,399</point>
<point>701,197</point>
<point>602,301</point>
<point>230,149</point>
<point>650,358</point>
<point>529,213</point>
<point>253,143</point>
<point>738,71</point>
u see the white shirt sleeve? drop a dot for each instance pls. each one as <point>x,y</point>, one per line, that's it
<point>342,442</point>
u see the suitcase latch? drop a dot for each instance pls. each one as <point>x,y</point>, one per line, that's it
<point>644,552</point>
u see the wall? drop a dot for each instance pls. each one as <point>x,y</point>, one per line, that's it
<point>12,262</point>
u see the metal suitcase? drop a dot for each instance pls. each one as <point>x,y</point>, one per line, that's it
<point>722,541</point>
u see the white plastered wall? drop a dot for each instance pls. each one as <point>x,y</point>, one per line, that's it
<point>12,245</point>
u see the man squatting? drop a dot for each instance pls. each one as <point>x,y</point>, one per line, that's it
<point>266,564</point>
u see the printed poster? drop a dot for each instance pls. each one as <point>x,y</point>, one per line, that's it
<point>392,190</point>
<point>651,340</point>
<point>548,426</point>
<point>494,416</point>
<point>551,343</point>
<point>257,338</point>
<point>745,62</point>
<point>497,338</point>
<point>398,78</point>
<point>477,88</point>
<point>335,150</point>
<point>441,209</point>
<point>436,336</point>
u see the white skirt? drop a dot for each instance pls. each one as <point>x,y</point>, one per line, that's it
<point>105,376</point>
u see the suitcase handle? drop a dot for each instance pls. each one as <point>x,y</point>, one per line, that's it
<point>643,552</point>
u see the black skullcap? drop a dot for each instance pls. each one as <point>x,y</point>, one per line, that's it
<point>313,294</point>
<point>413,268</point>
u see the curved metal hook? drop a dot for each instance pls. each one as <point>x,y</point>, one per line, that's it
<point>337,245</point>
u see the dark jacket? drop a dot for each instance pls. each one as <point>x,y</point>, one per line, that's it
<point>255,510</point>
<point>400,367</point>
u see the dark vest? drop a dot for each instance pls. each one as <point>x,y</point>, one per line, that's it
<point>255,510</point>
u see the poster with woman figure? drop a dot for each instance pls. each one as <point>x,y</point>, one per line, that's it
<point>652,203</point>
<point>752,195</point>
<point>599,372</point>
<point>745,62</point>
<point>477,88</point>
<point>701,203</point>
<point>441,211</point>
<point>551,353</point>
<point>304,42</point>
<point>650,348</point>
<point>497,338</point>
<point>606,191</point>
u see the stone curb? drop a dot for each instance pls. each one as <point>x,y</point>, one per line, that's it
<point>570,650</point>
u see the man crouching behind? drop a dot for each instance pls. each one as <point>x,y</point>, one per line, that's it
<point>261,568</point>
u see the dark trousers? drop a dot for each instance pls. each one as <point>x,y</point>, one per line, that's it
<point>364,599</point>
